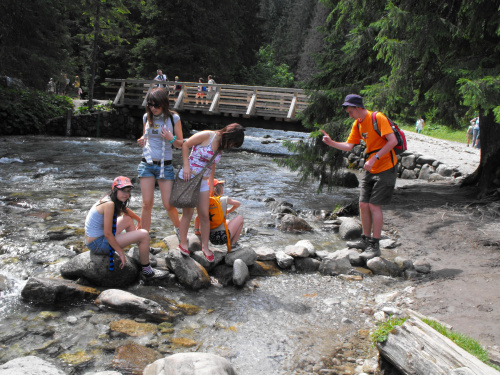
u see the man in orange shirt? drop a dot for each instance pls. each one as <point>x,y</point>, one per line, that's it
<point>380,169</point>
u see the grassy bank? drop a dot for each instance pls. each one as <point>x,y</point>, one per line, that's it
<point>439,132</point>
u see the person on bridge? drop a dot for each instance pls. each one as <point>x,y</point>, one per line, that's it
<point>162,129</point>
<point>380,175</point>
<point>177,88</point>
<point>211,89</point>
<point>200,94</point>
<point>160,77</point>
<point>204,144</point>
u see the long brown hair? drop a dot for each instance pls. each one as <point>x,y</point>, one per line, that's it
<point>158,96</point>
<point>231,136</point>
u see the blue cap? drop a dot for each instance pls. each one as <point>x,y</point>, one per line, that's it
<point>353,100</point>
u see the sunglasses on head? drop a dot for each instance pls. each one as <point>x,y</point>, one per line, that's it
<point>154,105</point>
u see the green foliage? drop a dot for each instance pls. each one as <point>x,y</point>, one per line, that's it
<point>28,110</point>
<point>96,108</point>
<point>266,72</point>
<point>482,93</point>
<point>384,328</point>
<point>468,344</point>
<point>316,161</point>
<point>34,45</point>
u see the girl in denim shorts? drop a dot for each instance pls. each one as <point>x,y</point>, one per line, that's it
<point>106,221</point>
<point>162,129</point>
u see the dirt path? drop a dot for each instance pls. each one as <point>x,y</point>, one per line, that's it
<point>460,236</point>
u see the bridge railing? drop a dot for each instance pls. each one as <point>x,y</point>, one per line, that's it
<point>248,101</point>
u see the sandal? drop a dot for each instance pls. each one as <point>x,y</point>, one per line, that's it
<point>183,251</point>
<point>210,257</point>
<point>197,232</point>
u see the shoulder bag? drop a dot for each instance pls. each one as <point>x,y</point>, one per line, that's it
<point>185,193</point>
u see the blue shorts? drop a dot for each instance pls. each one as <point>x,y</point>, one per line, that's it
<point>152,170</point>
<point>99,246</point>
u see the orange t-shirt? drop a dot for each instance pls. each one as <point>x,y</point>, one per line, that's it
<point>373,141</point>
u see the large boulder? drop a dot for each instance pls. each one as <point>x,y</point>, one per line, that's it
<point>188,271</point>
<point>294,224</point>
<point>425,172</point>
<point>409,162</point>
<point>283,260</point>
<point>120,300</point>
<point>265,253</point>
<point>29,365</point>
<point>241,273</point>
<point>382,266</point>
<point>335,264</point>
<point>247,255</point>
<point>307,264</point>
<point>350,228</point>
<point>192,364</point>
<point>297,251</point>
<point>51,291</point>
<point>95,269</point>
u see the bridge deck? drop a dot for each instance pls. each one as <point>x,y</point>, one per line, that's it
<point>247,101</point>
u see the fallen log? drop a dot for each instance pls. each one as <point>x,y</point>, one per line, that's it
<point>414,348</point>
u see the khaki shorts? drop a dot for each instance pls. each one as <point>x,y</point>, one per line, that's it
<point>378,188</point>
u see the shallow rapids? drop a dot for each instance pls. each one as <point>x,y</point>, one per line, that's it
<point>286,325</point>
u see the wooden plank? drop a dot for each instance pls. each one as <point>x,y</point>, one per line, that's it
<point>251,106</point>
<point>417,349</point>
<point>214,107</point>
<point>120,95</point>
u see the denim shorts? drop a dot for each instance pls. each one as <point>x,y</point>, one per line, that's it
<point>152,170</point>
<point>99,246</point>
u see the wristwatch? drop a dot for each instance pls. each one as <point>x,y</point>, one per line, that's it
<point>377,157</point>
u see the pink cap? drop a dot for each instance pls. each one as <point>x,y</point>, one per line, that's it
<point>121,182</point>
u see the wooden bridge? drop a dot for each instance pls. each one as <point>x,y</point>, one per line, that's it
<point>281,104</point>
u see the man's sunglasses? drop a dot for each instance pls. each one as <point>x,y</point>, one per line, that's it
<point>151,105</point>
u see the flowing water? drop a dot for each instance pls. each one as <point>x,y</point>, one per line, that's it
<point>287,325</point>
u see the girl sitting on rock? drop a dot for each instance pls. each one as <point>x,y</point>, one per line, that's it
<point>106,221</point>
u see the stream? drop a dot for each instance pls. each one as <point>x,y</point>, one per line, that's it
<point>288,324</point>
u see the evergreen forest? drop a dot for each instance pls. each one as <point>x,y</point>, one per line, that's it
<point>437,59</point>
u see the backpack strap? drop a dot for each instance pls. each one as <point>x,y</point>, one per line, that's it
<point>375,127</point>
<point>227,235</point>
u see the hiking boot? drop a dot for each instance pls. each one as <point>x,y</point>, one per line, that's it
<point>156,275</point>
<point>361,243</point>
<point>372,251</point>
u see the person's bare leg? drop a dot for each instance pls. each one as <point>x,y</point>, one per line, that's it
<point>203,206</point>
<point>148,190</point>
<point>366,218</point>
<point>235,226</point>
<point>165,190</point>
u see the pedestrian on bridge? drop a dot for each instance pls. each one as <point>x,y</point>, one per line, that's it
<point>205,145</point>
<point>201,92</point>
<point>161,77</point>
<point>162,129</point>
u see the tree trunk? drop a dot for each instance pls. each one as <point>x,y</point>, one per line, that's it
<point>487,175</point>
<point>417,349</point>
<point>95,47</point>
